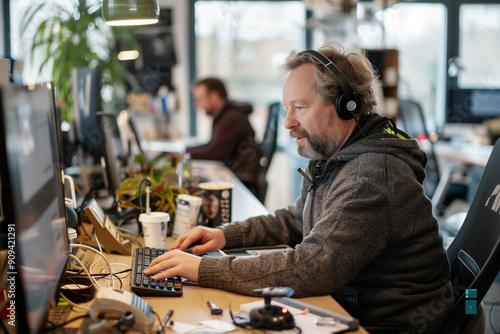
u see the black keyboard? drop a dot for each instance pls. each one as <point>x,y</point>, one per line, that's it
<point>144,285</point>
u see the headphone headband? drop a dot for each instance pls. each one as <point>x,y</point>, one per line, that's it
<point>346,88</point>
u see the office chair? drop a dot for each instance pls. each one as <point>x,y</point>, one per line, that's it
<point>140,141</point>
<point>474,254</point>
<point>414,124</point>
<point>268,147</point>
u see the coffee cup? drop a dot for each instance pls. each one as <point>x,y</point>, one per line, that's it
<point>217,203</point>
<point>154,228</point>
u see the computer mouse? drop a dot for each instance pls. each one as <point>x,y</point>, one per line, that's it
<point>271,317</point>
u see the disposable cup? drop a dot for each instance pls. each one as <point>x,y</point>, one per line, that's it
<point>217,203</point>
<point>187,213</point>
<point>154,228</point>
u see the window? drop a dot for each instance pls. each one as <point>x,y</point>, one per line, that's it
<point>479,49</point>
<point>418,31</point>
<point>243,43</point>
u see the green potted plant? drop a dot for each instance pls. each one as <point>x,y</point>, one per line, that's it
<point>76,35</point>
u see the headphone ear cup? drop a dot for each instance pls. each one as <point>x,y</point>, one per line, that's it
<point>340,105</point>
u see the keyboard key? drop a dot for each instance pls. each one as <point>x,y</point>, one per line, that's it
<point>144,285</point>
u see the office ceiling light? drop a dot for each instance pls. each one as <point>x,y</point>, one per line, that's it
<point>130,12</point>
<point>128,55</point>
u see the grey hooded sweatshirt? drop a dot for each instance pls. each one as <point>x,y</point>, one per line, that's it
<point>362,231</point>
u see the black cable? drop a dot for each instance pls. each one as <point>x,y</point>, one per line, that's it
<point>117,273</point>
<point>491,321</point>
<point>84,230</point>
<point>137,242</point>
<point>299,329</point>
<point>159,321</point>
<point>357,124</point>
<point>104,275</point>
<point>68,322</point>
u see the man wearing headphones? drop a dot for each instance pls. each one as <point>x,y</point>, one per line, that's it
<point>362,229</point>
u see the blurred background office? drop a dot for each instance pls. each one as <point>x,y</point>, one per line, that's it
<point>437,54</point>
<point>437,61</point>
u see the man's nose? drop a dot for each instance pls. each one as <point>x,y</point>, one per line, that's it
<point>290,120</point>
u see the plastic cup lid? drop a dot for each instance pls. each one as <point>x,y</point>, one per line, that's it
<point>154,217</point>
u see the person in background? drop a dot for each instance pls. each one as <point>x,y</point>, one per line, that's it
<point>233,138</point>
<point>362,229</point>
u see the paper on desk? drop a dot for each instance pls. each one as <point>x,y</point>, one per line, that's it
<point>306,322</point>
<point>208,326</point>
<point>219,326</point>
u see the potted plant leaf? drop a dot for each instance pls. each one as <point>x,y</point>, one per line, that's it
<point>75,35</point>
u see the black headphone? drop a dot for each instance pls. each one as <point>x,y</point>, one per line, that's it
<point>345,102</point>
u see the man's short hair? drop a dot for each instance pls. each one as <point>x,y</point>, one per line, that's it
<point>213,85</point>
<point>355,66</point>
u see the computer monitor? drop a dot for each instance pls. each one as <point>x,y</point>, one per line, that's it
<point>472,105</point>
<point>114,152</point>
<point>86,103</point>
<point>32,201</point>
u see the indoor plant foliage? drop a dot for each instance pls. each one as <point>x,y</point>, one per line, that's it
<point>75,35</point>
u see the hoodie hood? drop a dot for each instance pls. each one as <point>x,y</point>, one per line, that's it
<point>232,106</point>
<point>378,135</point>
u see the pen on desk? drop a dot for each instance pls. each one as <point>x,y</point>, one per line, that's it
<point>214,309</point>
<point>167,318</point>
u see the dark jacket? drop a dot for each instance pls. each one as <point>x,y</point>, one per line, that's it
<point>233,141</point>
<point>363,232</point>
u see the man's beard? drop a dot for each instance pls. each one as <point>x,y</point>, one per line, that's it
<point>316,148</point>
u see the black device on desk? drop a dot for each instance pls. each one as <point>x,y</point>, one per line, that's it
<point>33,213</point>
<point>144,285</point>
<point>268,316</point>
<point>271,316</point>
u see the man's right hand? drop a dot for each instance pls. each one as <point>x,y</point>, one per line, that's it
<point>211,239</point>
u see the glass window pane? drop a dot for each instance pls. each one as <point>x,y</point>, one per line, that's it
<point>479,47</point>
<point>418,31</point>
<point>244,42</point>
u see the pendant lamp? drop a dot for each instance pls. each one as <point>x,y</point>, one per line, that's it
<point>130,12</point>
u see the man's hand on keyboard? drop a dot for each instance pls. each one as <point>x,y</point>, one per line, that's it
<point>211,239</point>
<point>174,263</point>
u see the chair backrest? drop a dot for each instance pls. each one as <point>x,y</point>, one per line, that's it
<point>141,143</point>
<point>268,147</point>
<point>413,119</point>
<point>474,254</point>
<point>268,144</point>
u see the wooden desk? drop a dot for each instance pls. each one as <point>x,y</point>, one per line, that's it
<point>191,307</point>
<point>465,155</point>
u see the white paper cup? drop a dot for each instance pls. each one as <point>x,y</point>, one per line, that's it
<point>154,228</point>
<point>186,214</point>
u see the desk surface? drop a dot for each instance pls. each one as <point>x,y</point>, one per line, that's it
<point>191,307</point>
<point>465,153</point>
